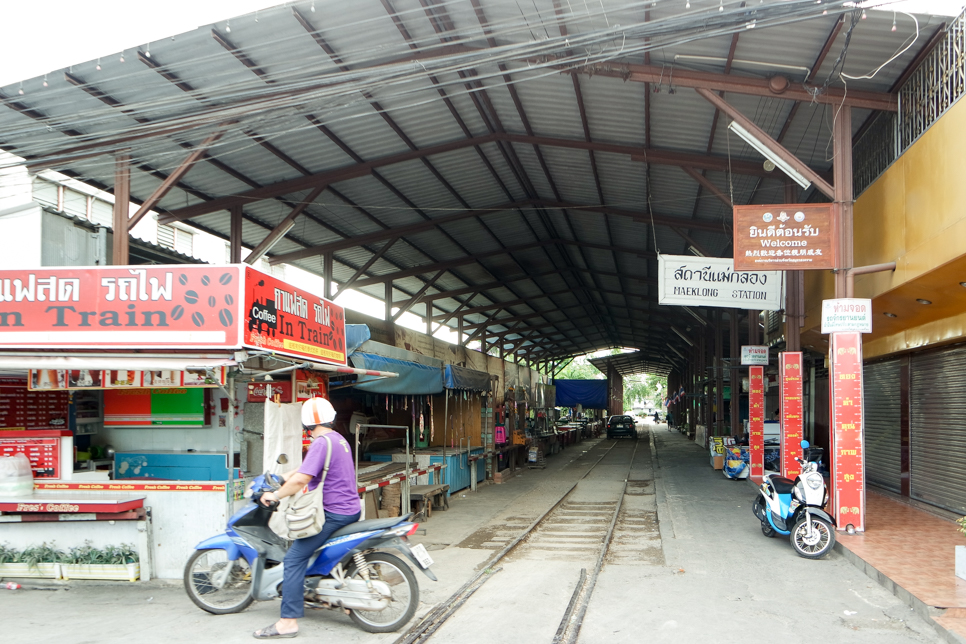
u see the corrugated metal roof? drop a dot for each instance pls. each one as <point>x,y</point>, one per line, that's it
<point>363,87</point>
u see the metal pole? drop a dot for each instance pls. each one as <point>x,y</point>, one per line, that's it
<point>230,392</point>
<point>405,488</point>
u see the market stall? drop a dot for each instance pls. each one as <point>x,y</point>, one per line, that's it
<point>131,380</point>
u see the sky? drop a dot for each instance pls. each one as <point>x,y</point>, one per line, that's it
<point>41,37</point>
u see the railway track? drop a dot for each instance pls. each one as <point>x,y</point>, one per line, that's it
<point>574,528</point>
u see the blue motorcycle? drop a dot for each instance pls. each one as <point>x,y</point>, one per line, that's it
<point>350,572</point>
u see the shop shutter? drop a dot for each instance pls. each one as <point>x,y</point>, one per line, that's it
<point>937,428</point>
<point>882,440</point>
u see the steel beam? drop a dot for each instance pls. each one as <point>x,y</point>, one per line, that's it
<point>122,209</point>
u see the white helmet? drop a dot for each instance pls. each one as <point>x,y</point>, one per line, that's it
<point>317,411</point>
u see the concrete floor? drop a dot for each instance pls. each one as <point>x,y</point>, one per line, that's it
<point>688,563</point>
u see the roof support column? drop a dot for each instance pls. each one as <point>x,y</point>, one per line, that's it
<point>388,300</point>
<point>735,373</point>
<point>718,375</point>
<point>842,175</point>
<point>794,290</point>
<point>122,206</point>
<point>328,282</point>
<point>235,236</point>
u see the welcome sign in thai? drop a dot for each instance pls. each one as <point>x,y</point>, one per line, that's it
<point>784,237</point>
<point>685,280</point>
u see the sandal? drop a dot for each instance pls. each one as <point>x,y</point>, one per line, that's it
<point>270,632</point>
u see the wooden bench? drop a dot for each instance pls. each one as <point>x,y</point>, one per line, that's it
<point>426,498</point>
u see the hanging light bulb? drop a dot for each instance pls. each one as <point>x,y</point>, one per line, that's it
<point>20,91</point>
<point>45,80</point>
<point>721,6</point>
<point>98,68</point>
<point>228,26</point>
<point>893,22</point>
<point>147,51</point>
<point>122,56</point>
<point>687,5</point>
<point>312,9</point>
<point>863,15</point>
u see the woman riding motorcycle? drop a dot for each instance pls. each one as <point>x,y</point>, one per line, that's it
<point>340,501</point>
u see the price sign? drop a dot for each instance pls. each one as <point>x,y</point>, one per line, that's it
<point>790,374</point>
<point>848,464</point>
<point>756,421</point>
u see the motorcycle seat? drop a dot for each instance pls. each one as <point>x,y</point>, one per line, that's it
<point>369,524</point>
<point>782,485</point>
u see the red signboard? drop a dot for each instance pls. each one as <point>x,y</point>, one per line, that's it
<point>756,421</point>
<point>790,375</point>
<point>23,409</point>
<point>120,307</point>
<point>848,464</point>
<point>42,452</point>
<point>283,319</point>
<point>784,237</point>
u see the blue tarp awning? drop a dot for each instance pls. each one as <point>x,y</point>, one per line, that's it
<point>414,379</point>
<point>591,394</point>
<point>355,335</point>
<point>456,377</point>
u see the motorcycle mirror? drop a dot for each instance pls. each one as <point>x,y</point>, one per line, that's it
<point>804,444</point>
<point>282,459</point>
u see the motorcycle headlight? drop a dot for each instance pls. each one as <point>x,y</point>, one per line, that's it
<point>814,482</point>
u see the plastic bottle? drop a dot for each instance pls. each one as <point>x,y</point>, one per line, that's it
<point>10,586</point>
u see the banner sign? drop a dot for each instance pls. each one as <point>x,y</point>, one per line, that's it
<point>84,379</point>
<point>848,460</point>
<point>756,421</point>
<point>685,280</point>
<point>847,315</point>
<point>165,307</point>
<point>754,355</point>
<point>171,307</point>
<point>785,237</point>
<point>790,374</point>
<point>284,319</point>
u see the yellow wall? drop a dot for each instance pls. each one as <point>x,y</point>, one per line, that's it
<point>914,214</point>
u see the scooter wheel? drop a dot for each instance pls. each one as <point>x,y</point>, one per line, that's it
<point>216,588</point>
<point>814,546</point>
<point>405,594</point>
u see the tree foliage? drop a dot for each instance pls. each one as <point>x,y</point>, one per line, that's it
<point>580,369</point>
<point>643,388</point>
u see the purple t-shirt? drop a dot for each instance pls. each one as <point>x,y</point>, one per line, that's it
<point>339,493</point>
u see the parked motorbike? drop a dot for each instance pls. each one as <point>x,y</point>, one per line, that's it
<point>794,508</point>
<point>351,571</point>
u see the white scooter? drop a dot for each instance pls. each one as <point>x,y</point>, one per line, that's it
<point>795,508</point>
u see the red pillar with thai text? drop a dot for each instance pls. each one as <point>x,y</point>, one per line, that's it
<point>756,422</point>
<point>790,376</point>
<point>847,458</point>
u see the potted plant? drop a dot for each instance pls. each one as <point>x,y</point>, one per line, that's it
<point>111,562</point>
<point>41,561</point>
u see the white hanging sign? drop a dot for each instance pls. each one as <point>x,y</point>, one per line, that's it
<point>684,280</point>
<point>754,355</point>
<point>847,315</point>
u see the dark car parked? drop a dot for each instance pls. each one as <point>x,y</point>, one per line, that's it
<point>621,426</point>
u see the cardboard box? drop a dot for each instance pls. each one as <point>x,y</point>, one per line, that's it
<point>717,462</point>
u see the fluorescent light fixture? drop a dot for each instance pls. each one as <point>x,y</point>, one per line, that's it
<point>696,316</point>
<point>278,237</point>
<point>780,163</point>
<point>677,352</point>
<point>695,251</point>
<point>681,335</point>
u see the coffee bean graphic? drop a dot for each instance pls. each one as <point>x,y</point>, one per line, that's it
<point>198,319</point>
<point>190,297</point>
<point>177,312</point>
<point>183,279</point>
<point>226,317</point>
<point>212,301</point>
<point>225,278</point>
<point>229,300</point>
<point>205,280</point>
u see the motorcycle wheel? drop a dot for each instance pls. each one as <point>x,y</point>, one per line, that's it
<point>201,573</point>
<point>767,530</point>
<point>405,594</point>
<point>821,542</point>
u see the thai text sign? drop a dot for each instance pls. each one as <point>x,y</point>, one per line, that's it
<point>790,374</point>
<point>756,421</point>
<point>120,307</point>
<point>847,315</point>
<point>284,319</point>
<point>685,280</point>
<point>848,464</point>
<point>784,237</point>
<point>754,355</point>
